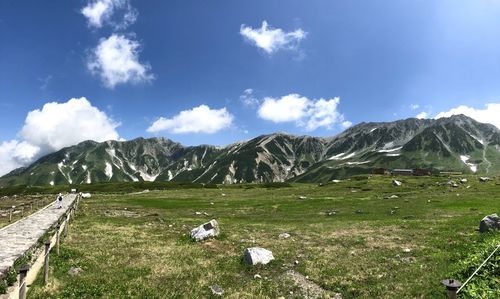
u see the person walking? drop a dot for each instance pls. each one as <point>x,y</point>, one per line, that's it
<point>59,201</point>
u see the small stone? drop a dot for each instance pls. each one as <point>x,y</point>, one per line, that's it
<point>397,183</point>
<point>211,203</point>
<point>257,276</point>
<point>217,290</point>
<point>223,194</point>
<point>197,213</point>
<point>284,236</point>
<point>302,197</point>
<point>407,250</point>
<point>428,201</point>
<point>74,271</point>
<point>296,262</point>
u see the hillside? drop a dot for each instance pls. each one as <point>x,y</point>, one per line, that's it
<point>456,143</point>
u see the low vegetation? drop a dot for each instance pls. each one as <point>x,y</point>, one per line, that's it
<point>351,237</point>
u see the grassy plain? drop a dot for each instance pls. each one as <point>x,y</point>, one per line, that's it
<point>137,245</point>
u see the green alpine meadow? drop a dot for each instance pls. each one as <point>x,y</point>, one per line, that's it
<point>362,237</point>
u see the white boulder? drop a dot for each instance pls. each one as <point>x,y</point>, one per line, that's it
<point>205,231</point>
<point>257,255</point>
<point>397,183</point>
<point>85,195</point>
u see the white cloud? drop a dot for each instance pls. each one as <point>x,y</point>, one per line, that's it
<point>272,39</point>
<point>100,12</point>
<point>490,114</point>
<point>116,60</point>
<point>310,114</point>
<point>346,124</point>
<point>414,106</point>
<point>422,115</point>
<point>248,99</point>
<point>200,119</point>
<point>14,154</point>
<point>53,127</point>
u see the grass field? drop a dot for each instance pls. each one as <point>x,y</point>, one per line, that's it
<point>137,245</point>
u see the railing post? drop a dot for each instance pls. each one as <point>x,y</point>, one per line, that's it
<point>22,282</point>
<point>66,227</point>
<point>58,237</point>
<point>452,286</point>
<point>46,264</point>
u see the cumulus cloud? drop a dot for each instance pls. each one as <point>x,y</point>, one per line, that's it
<point>272,39</point>
<point>116,61</point>
<point>422,115</point>
<point>200,119</point>
<point>14,154</point>
<point>248,99</point>
<point>53,127</point>
<point>490,114</point>
<point>308,113</point>
<point>100,12</point>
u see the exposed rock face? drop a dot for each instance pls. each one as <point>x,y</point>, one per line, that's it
<point>257,255</point>
<point>489,222</point>
<point>205,231</point>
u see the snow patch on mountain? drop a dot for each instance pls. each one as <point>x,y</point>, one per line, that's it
<point>108,170</point>
<point>390,150</point>
<point>464,159</point>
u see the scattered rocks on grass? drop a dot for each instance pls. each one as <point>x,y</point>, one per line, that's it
<point>302,197</point>
<point>257,255</point>
<point>332,213</point>
<point>217,290</point>
<point>489,222</point>
<point>463,181</point>
<point>397,183</point>
<point>484,179</point>
<point>391,197</point>
<point>309,289</point>
<point>284,236</point>
<point>407,250</point>
<point>74,271</point>
<point>205,231</point>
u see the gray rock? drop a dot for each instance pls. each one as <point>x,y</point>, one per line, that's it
<point>205,231</point>
<point>397,183</point>
<point>257,255</point>
<point>484,179</point>
<point>284,236</point>
<point>463,181</point>
<point>74,271</point>
<point>217,290</point>
<point>489,222</point>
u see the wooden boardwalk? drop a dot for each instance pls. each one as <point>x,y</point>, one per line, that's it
<point>19,237</point>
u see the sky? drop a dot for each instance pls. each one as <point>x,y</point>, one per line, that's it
<point>217,72</point>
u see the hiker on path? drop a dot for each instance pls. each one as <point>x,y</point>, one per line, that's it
<point>59,201</point>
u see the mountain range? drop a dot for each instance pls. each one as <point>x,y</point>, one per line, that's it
<point>457,143</point>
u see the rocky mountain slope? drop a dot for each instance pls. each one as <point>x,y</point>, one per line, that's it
<point>456,143</point>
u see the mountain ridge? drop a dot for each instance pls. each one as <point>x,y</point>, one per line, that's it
<point>454,143</point>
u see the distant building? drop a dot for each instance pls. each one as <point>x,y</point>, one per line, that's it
<point>402,172</point>
<point>421,171</point>
<point>379,171</point>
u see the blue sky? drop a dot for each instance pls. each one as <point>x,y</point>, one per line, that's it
<point>211,72</point>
